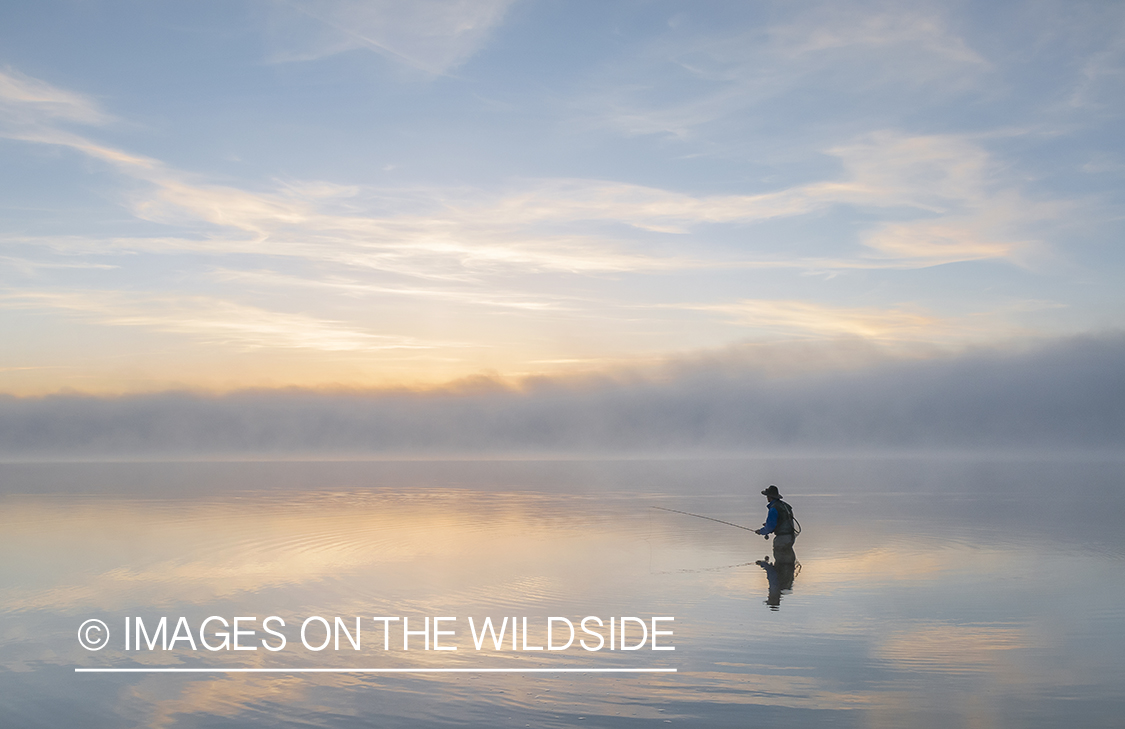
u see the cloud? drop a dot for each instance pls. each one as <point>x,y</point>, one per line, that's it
<point>834,26</point>
<point>944,186</point>
<point>942,182</point>
<point>1103,74</point>
<point>30,267</point>
<point>356,287</point>
<point>694,81</point>
<point>966,212</point>
<point>807,318</point>
<point>939,243</point>
<point>216,321</point>
<point>546,247</point>
<point>434,36</point>
<point>946,182</point>
<point>1066,394</point>
<point>435,234</point>
<point>137,166</point>
<point>25,100</point>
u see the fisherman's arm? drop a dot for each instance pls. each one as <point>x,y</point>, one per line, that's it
<point>771,522</point>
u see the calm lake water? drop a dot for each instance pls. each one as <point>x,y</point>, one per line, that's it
<point>927,592</point>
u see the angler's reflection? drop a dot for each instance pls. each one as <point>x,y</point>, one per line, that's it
<point>781,571</point>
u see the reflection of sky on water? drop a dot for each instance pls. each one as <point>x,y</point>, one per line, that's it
<point>990,604</point>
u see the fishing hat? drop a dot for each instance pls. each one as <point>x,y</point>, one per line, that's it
<point>771,491</point>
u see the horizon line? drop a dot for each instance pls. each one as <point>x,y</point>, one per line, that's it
<point>376,670</point>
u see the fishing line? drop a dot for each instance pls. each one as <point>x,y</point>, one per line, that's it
<point>703,569</point>
<point>708,518</point>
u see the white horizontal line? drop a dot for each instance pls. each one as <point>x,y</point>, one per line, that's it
<point>375,670</point>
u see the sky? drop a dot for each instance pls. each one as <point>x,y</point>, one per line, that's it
<point>213,196</point>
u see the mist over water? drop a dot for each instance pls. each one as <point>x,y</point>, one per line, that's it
<point>1068,394</point>
<point>930,592</point>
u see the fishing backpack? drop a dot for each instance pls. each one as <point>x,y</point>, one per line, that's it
<point>786,522</point>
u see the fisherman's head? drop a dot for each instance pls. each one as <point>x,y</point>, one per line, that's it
<point>771,493</point>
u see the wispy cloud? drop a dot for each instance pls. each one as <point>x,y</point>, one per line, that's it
<point>216,321</point>
<point>436,234</point>
<point>964,208</point>
<point>434,36</point>
<point>358,288</point>
<point>26,101</point>
<point>794,317</point>
<point>532,247</point>
<point>699,78</point>
<point>29,267</point>
<point>918,27</point>
<point>939,188</point>
<point>1103,74</point>
<point>946,183</point>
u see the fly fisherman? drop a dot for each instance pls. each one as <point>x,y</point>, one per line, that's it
<point>779,522</point>
<point>785,529</point>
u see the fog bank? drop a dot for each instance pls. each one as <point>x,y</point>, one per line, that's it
<point>1068,394</point>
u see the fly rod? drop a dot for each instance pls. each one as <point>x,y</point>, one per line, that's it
<point>708,518</point>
